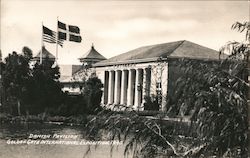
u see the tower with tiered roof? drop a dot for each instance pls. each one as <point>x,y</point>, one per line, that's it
<point>91,57</point>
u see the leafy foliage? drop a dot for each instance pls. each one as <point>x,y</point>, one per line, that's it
<point>151,103</point>
<point>143,136</point>
<point>71,106</point>
<point>38,89</point>
<point>46,91</point>
<point>92,92</point>
<point>86,103</point>
<point>16,77</point>
<point>32,90</point>
<point>215,97</point>
<point>245,26</point>
<point>27,53</point>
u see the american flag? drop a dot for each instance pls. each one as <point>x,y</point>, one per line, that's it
<point>50,36</point>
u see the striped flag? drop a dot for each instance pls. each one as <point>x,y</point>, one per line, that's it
<point>69,32</point>
<point>50,36</point>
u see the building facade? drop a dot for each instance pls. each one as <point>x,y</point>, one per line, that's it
<point>145,72</point>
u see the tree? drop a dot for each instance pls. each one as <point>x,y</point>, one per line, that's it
<point>46,89</point>
<point>215,98</point>
<point>245,26</point>
<point>2,94</point>
<point>92,92</point>
<point>16,76</point>
<point>37,89</point>
<point>27,53</point>
<point>242,49</point>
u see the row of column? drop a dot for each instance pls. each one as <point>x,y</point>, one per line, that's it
<point>127,87</point>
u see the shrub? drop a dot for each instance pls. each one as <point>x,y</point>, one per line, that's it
<point>92,93</point>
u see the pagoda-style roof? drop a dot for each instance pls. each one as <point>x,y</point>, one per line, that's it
<point>92,55</point>
<point>178,49</point>
<point>45,54</point>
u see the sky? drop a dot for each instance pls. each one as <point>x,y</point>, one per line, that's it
<point>115,27</point>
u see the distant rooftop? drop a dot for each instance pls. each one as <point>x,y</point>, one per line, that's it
<point>45,54</point>
<point>178,49</point>
<point>92,55</point>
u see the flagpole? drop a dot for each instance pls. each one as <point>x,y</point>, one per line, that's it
<point>41,46</point>
<point>57,41</point>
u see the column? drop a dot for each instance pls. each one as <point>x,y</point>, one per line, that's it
<point>124,87</point>
<point>111,87</point>
<point>164,87</point>
<point>117,87</point>
<point>147,84</point>
<point>138,88</point>
<point>106,86</point>
<point>148,81</point>
<point>130,89</point>
<point>141,89</point>
<point>153,81</point>
<point>133,87</point>
<point>144,88</point>
<point>101,76</point>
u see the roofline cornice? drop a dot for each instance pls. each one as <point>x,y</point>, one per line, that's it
<point>137,61</point>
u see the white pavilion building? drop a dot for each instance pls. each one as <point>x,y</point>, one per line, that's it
<point>146,71</point>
